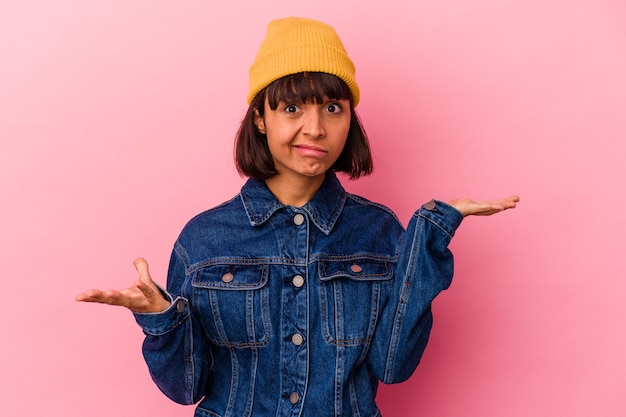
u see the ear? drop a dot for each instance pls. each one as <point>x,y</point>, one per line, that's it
<point>259,122</point>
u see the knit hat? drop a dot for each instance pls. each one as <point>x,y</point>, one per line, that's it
<point>294,45</point>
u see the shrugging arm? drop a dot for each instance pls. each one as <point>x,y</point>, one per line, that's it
<point>177,353</point>
<point>424,269</point>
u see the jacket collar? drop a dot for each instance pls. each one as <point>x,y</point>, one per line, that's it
<point>323,209</point>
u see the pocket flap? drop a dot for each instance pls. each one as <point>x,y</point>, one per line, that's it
<point>362,269</point>
<point>231,277</point>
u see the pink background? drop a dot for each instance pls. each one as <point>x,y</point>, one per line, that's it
<point>116,126</point>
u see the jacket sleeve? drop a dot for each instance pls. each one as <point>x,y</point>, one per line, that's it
<point>424,269</point>
<point>177,354</point>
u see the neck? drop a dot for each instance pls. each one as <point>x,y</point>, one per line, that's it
<point>294,192</point>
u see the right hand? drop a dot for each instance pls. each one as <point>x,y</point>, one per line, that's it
<point>142,297</point>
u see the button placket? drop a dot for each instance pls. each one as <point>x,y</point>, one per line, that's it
<point>294,362</point>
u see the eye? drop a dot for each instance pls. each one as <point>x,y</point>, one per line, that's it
<point>334,108</point>
<point>291,108</point>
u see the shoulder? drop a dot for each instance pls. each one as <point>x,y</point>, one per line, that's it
<point>223,214</point>
<point>356,202</point>
<point>360,214</point>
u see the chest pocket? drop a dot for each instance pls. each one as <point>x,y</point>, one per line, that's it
<point>350,298</point>
<point>233,303</point>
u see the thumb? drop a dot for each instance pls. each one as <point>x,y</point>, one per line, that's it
<point>142,267</point>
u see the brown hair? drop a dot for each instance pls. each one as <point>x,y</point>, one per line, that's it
<point>252,155</point>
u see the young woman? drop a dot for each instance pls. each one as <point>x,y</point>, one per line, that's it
<point>296,297</point>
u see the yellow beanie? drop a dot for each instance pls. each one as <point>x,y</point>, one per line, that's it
<point>294,45</point>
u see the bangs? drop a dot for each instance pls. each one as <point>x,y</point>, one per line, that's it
<point>305,87</point>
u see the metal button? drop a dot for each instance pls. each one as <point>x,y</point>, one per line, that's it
<point>228,277</point>
<point>298,281</point>
<point>356,268</point>
<point>430,206</point>
<point>294,397</point>
<point>298,219</point>
<point>297,339</point>
<point>180,306</point>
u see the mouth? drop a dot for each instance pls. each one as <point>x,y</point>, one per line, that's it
<point>310,150</point>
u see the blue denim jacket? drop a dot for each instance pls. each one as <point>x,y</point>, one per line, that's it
<point>284,311</point>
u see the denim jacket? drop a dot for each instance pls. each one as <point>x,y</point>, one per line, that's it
<point>286,311</point>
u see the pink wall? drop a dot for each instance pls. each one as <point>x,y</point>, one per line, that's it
<point>116,126</point>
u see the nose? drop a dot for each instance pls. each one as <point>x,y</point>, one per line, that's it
<point>313,124</point>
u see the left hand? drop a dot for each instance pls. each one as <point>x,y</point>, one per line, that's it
<point>469,207</point>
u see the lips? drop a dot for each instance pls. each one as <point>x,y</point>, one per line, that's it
<point>310,151</point>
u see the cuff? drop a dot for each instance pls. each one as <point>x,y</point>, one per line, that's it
<point>159,323</point>
<point>442,214</point>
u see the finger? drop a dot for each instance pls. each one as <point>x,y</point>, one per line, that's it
<point>117,298</point>
<point>110,297</point>
<point>510,202</point>
<point>146,289</point>
<point>487,208</point>
<point>499,205</point>
<point>91,295</point>
<point>87,295</point>
<point>142,267</point>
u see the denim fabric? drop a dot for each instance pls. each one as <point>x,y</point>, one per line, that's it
<point>284,311</point>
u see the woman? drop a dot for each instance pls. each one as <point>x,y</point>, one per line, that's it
<point>296,297</point>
